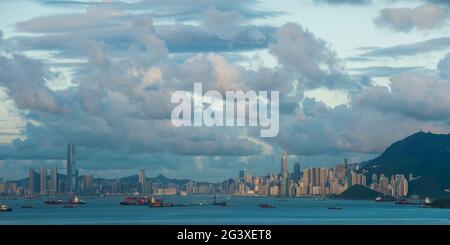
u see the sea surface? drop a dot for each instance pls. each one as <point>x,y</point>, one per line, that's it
<point>239,210</point>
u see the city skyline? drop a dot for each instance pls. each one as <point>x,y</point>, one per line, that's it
<point>312,181</point>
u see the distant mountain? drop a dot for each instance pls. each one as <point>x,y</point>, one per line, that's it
<point>359,192</point>
<point>425,155</point>
<point>160,179</point>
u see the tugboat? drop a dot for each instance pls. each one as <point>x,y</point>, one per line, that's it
<point>5,208</point>
<point>76,200</point>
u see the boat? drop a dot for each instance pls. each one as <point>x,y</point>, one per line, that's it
<point>5,208</point>
<point>159,203</point>
<point>407,202</point>
<point>134,201</point>
<point>76,200</point>
<point>28,206</point>
<point>335,208</point>
<point>216,203</point>
<point>58,201</point>
<point>384,199</point>
<point>265,205</point>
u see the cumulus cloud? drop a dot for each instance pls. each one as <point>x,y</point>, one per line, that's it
<point>24,80</point>
<point>298,50</point>
<point>412,94</point>
<point>424,17</point>
<point>225,25</point>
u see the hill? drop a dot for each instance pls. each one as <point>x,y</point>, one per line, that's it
<point>359,192</point>
<point>425,155</point>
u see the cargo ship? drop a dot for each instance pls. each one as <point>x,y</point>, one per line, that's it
<point>134,201</point>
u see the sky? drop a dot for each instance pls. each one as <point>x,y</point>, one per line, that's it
<point>354,76</point>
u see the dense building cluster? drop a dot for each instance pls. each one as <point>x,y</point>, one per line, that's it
<point>312,181</point>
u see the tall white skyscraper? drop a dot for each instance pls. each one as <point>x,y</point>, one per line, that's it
<point>284,175</point>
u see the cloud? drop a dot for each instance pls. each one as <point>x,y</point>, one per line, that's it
<point>224,25</point>
<point>384,71</point>
<point>298,50</point>
<point>411,94</point>
<point>24,80</point>
<point>444,67</point>
<point>424,17</point>
<point>431,45</point>
<point>349,2</point>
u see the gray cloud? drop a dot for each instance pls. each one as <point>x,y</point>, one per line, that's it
<point>316,65</point>
<point>349,2</point>
<point>436,44</point>
<point>424,17</point>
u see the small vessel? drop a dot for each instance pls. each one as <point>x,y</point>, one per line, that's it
<point>159,203</point>
<point>216,203</point>
<point>265,205</point>
<point>76,200</point>
<point>5,208</point>
<point>54,201</point>
<point>384,199</point>
<point>335,208</point>
<point>407,202</point>
<point>28,206</point>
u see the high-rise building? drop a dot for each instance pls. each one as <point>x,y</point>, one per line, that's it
<point>88,183</point>
<point>71,181</point>
<point>284,184</point>
<point>31,181</point>
<point>43,181</point>
<point>297,172</point>
<point>142,179</point>
<point>241,174</point>
<point>53,188</point>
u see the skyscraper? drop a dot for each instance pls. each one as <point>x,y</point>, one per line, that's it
<point>53,188</point>
<point>284,188</point>
<point>241,174</point>
<point>297,173</point>
<point>31,181</point>
<point>88,183</point>
<point>284,164</point>
<point>43,180</point>
<point>142,179</point>
<point>71,181</point>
